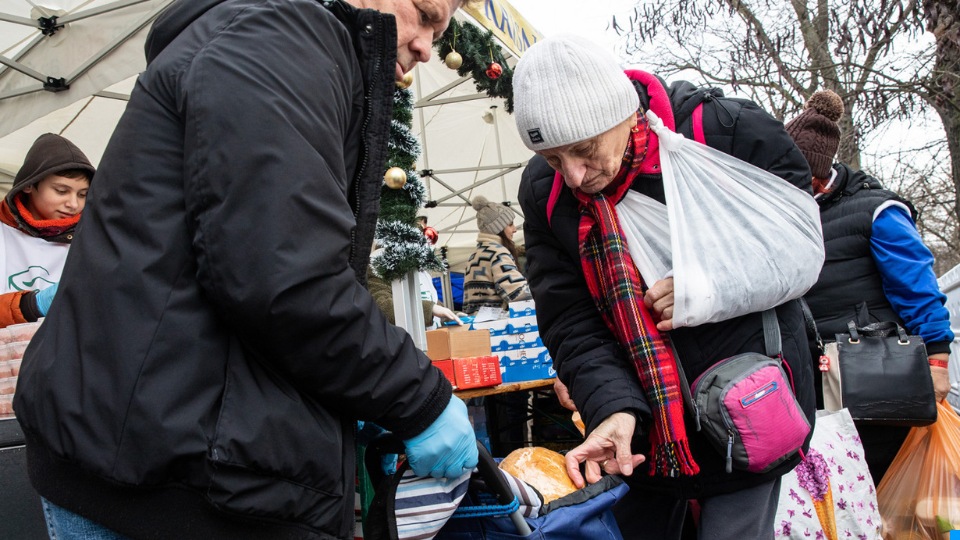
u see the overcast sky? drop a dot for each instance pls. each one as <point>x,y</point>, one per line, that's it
<point>591,18</point>
<point>588,19</point>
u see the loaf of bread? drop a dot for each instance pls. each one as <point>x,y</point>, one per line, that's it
<point>541,468</point>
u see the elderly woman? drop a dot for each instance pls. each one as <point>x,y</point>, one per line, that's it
<point>583,116</point>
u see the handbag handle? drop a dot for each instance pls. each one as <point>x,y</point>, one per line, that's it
<point>854,335</point>
<point>880,329</point>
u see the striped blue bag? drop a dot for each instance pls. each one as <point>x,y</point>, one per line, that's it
<point>489,504</point>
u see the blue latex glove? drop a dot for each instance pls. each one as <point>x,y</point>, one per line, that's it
<point>447,448</point>
<point>45,297</point>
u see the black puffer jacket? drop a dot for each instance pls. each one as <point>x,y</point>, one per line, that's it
<point>212,345</point>
<point>589,360</point>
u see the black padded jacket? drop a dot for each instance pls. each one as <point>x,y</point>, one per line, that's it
<point>212,344</point>
<point>587,357</point>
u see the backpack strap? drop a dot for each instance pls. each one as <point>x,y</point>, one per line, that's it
<point>697,119</point>
<point>771,333</point>
<point>554,195</point>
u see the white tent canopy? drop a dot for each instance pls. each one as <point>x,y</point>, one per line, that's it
<point>61,60</point>
<point>469,142</point>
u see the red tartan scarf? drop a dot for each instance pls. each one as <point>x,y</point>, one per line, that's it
<point>617,290</point>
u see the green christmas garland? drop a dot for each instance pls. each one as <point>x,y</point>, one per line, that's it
<point>405,248</point>
<point>478,49</point>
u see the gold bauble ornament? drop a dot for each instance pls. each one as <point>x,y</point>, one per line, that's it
<point>395,178</point>
<point>453,60</point>
<point>406,81</point>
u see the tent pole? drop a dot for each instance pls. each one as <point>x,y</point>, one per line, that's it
<point>18,20</point>
<point>97,11</point>
<point>496,136</point>
<point>459,192</point>
<point>33,74</point>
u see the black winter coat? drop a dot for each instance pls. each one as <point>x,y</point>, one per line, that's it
<point>212,345</point>
<point>588,359</point>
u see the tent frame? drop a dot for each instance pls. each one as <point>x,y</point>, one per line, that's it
<point>49,25</point>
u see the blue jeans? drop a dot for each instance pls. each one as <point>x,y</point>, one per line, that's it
<point>65,525</point>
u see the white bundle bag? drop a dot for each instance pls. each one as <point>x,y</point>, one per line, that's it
<point>741,239</point>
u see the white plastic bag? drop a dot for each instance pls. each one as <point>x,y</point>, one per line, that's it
<point>645,224</point>
<point>742,239</point>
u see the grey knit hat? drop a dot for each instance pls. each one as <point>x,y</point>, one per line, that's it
<point>567,89</point>
<point>492,217</point>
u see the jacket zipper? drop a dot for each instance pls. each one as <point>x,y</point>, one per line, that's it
<point>368,98</point>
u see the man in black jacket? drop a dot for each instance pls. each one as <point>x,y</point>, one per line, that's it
<point>212,345</point>
<point>583,117</point>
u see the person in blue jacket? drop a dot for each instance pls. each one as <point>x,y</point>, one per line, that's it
<point>877,267</point>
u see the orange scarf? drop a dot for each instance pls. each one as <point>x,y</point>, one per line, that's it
<point>22,219</point>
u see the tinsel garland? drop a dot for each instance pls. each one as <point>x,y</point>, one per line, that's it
<point>478,49</point>
<point>405,249</point>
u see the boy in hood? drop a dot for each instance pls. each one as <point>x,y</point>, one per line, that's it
<point>39,216</point>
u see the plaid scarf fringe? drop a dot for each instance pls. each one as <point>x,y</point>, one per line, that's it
<point>616,288</point>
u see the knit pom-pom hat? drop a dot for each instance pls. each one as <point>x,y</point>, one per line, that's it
<point>491,217</point>
<point>816,132</point>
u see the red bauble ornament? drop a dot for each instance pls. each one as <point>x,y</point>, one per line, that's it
<point>494,70</point>
<point>431,235</point>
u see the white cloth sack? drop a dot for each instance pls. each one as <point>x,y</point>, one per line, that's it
<point>831,495</point>
<point>742,239</point>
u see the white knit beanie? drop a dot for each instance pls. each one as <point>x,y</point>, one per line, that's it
<point>567,89</point>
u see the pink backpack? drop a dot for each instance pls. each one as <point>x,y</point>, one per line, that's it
<point>746,406</point>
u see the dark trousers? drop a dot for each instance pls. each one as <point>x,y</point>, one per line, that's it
<point>748,513</point>
<point>880,446</point>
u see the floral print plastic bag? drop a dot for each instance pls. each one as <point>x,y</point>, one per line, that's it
<point>830,494</point>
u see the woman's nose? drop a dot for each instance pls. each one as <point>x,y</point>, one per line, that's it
<point>573,174</point>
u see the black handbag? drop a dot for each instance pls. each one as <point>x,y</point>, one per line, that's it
<point>884,376</point>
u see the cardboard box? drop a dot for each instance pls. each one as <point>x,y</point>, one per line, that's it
<point>514,342</point>
<point>446,366</point>
<point>515,325</point>
<point>539,355</point>
<point>475,372</point>
<point>523,308</point>
<point>525,370</point>
<point>457,342</point>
